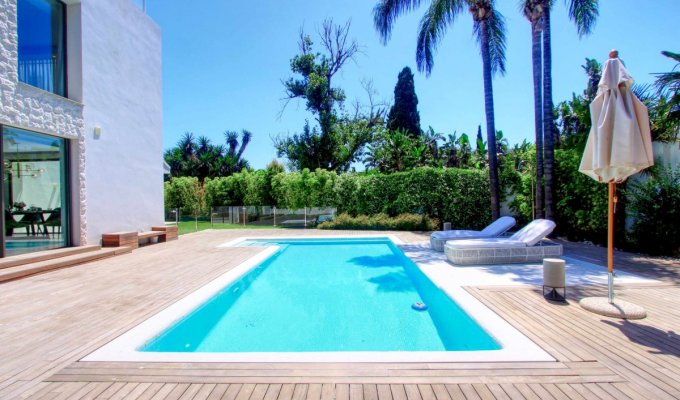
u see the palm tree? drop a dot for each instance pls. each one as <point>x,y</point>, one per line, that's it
<point>533,11</point>
<point>187,145</point>
<point>233,161</point>
<point>489,29</point>
<point>584,14</point>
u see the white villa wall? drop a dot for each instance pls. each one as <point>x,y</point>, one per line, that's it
<point>122,91</point>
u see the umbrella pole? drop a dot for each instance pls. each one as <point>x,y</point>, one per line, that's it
<point>610,242</point>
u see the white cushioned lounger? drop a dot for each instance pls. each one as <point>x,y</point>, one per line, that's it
<point>496,228</point>
<point>524,246</point>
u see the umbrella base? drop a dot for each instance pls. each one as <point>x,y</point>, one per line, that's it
<point>617,309</point>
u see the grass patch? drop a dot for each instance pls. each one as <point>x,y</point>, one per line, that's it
<point>190,226</point>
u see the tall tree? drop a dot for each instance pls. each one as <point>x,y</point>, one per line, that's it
<point>404,113</point>
<point>201,159</point>
<point>533,11</point>
<point>340,138</point>
<point>583,13</point>
<point>489,30</point>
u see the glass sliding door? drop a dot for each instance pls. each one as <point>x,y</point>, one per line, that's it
<point>34,191</point>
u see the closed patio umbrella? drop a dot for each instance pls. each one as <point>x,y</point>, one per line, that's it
<point>619,144</point>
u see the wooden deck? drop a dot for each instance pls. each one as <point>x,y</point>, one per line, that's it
<point>50,321</point>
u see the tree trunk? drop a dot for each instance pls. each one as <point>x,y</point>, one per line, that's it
<point>536,58</point>
<point>548,136</point>
<point>490,123</point>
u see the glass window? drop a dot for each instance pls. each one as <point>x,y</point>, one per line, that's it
<point>42,55</point>
<point>33,191</point>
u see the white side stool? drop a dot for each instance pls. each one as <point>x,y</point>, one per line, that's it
<point>554,278</point>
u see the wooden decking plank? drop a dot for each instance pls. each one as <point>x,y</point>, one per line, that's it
<point>469,391</point>
<point>342,391</point>
<point>164,391</point>
<point>398,392</point>
<point>483,391</point>
<point>259,391</point>
<point>314,391</point>
<point>246,390</point>
<point>370,392</point>
<point>273,391</point>
<point>497,391</point>
<point>512,391</point>
<point>205,391</point>
<point>384,392</point>
<point>455,392</point>
<point>234,389</point>
<point>541,391</point>
<point>300,391</point>
<point>356,391</point>
<point>150,391</point>
<point>440,392</point>
<point>191,391</point>
<point>526,391</point>
<point>286,392</point>
<point>177,391</point>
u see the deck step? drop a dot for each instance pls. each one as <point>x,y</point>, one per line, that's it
<point>21,271</point>
<point>38,256</point>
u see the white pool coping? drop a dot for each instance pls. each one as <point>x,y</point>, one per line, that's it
<point>515,346</point>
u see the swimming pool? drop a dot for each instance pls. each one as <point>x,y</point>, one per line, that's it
<point>327,295</point>
<point>277,319</point>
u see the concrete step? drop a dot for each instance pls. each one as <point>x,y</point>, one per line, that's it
<point>21,271</point>
<point>30,258</point>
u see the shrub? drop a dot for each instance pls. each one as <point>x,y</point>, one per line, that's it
<point>382,222</point>
<point>582,203</point>
<point>184,193</point>
<point>656,208</point>
<point>446,194</point>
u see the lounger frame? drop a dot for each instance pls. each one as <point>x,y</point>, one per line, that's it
<point>483,255</point>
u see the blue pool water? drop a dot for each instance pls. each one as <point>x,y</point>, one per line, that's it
<point>327,295</point>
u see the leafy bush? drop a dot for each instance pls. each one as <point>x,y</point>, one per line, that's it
<point>656,208</point>
<point>382,222</point>
<point>446,194</point>
<point>184,193</point>
<point>459,196</point>
<point>582,203</point>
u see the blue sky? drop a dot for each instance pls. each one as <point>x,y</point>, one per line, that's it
<point>223,63</point>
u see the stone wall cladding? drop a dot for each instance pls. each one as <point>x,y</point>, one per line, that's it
<point>31,108</point>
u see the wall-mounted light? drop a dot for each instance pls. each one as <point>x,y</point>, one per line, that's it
<point>97,132</point>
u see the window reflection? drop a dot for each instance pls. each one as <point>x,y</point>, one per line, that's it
<point>34,191</point>
<point>41,37</point>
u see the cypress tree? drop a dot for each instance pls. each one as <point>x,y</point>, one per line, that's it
<point>404,113</point>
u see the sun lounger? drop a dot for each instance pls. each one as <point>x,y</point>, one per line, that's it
<point>526,245</point>
<point>496,228</point>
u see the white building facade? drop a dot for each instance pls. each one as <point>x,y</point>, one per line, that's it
<point>81,122</point>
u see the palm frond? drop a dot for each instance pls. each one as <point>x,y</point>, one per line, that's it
<point>231,137</point>
<point>497,42</point>
<point>669,82</point>
<point>584,13</point>
<point>433,25</point>
<point>387,11</point>
<point>671,55</point>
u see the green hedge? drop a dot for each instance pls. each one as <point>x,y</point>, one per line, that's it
<point>382,222</point>
<point>656,204</point>
<point>446,194</point>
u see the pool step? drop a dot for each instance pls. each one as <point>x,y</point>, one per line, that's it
<point>21,271</point>
<point>34,257</point>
